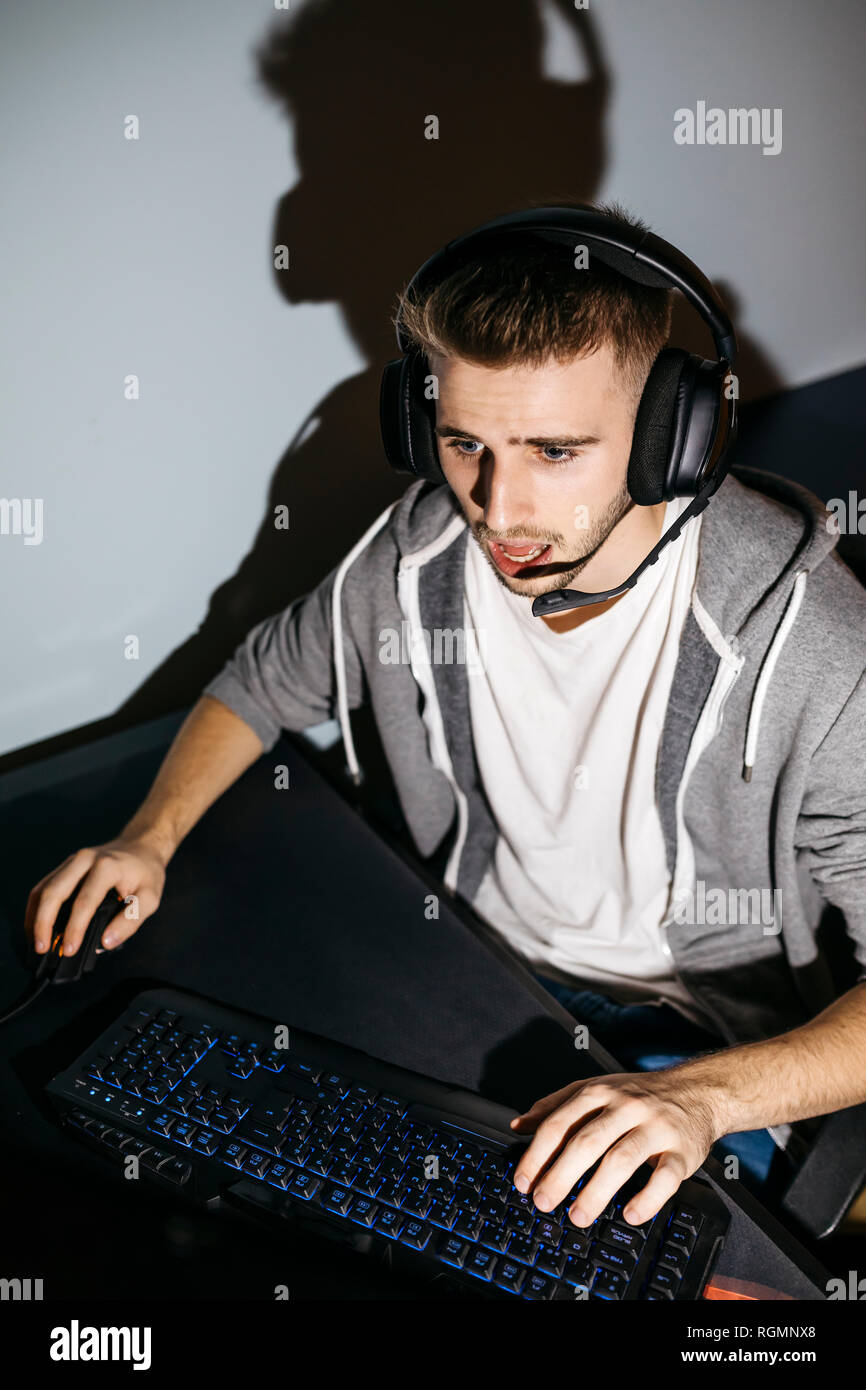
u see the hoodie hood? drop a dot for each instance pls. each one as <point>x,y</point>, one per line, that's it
<point>753,558</point>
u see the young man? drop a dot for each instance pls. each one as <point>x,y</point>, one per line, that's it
<point>601,781</point>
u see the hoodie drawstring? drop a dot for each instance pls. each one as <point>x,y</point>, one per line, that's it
<point>352,765</point>
<point>765,675</point>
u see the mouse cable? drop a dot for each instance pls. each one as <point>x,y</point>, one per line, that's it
<point>23,1002</point>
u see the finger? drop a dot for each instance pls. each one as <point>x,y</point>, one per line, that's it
<point>619,1163</point>
<point>583,1149</point>
<point>57,889</point>
<point>121,928</point>
<point>553,1131</point>
<point>36,893</point>
<point>669,1172</point>
<point>537,1111</point>
<point>90,895</point>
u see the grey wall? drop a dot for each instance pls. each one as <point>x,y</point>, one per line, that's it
<point>153,257</point>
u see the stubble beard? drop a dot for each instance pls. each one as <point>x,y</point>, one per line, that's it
<point>594,539</point>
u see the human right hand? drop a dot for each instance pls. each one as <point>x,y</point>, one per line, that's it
<point>133,865</point>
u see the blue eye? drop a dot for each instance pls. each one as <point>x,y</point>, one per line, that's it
<point>460,447</point>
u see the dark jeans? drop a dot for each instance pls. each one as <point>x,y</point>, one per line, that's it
<point>646,1037</point>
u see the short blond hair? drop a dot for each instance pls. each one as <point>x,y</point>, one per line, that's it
<point>523,302</point>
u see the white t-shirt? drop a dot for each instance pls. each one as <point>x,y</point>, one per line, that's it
<point>566,728</point>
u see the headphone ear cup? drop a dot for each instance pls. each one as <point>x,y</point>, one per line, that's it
<point>661,404</point>
<point>407,420</point>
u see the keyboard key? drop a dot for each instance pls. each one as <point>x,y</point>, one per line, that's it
<point>206,1142</point>
<point>537,1286</point>
<point>303,1069</point>
<point>175,1170</point>
<point>467,1224</point>
<point>240,1067</point>
<point>238,1104</point>
<point>416,1233</point>
<point>169,1076</point>
<point>622,1260</point>
<point>138,1019</point>
<point>115,1138</point>
<point>114,1075</point>
<point>480,1263</point>
<point>363,1210</point>
<point>184,1133</point>
<point>681,1238</point>
<point>162,1123</point>
<point>305,1185</point>
<point>494,1236</point>
<point>549,1232</point>
<point>393,1105</point>
<point>522,1248</point>
<point>137,1147</point>
<point>201,1110</point>
<point>273,1109</point>
<point>280,1174</point>
<point>319,1161</point>
<point>153,1159</point>
<point>666,1282</point>
<point>623,1237</point>
<point>155,1092</point>
<point>233,1154</point>
<point>338,1199</point>
<point>256,1164</point>
<point>214,1094</point>
<point>273,1060</point>
<point>609,1285</point>
<point>453,1250</point>
<point>260,1136</point>
<point>390,1222</point>
<point>672,1258</point>
<point>344,1174</point>
<point>364,1093</point>
<point>509,1275</point>
<point>332,1081</point>
<point>442,1214</point>
<point>576,1272</point>
<point>549,1260</point>
<point>688,1217</point>
<point>224,1121</point>
<point>368,1183</point>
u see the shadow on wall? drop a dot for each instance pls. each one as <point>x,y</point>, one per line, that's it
<point>373,199</point>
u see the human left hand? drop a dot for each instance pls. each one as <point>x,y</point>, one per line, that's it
<point>664,1118</point>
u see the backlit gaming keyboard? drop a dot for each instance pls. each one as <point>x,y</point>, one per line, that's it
<point>330,1139</point>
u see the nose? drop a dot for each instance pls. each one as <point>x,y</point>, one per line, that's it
<point>506,500</point>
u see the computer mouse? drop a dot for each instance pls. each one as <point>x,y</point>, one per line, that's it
<point>59,969</point>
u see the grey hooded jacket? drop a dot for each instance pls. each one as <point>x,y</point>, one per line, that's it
<point>761,772</point>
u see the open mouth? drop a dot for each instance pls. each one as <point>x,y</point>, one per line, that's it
<point>514,560</point>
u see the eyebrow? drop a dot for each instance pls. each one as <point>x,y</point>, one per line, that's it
<point>540,441</point>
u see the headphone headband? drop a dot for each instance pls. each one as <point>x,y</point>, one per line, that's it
<point>638,255</point>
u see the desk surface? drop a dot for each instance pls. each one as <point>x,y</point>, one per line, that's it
<point>286,903</point>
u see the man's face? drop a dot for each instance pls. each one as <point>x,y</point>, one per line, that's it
<point>537,458</point>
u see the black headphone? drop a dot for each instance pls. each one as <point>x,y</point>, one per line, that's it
<point>686,421</point>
